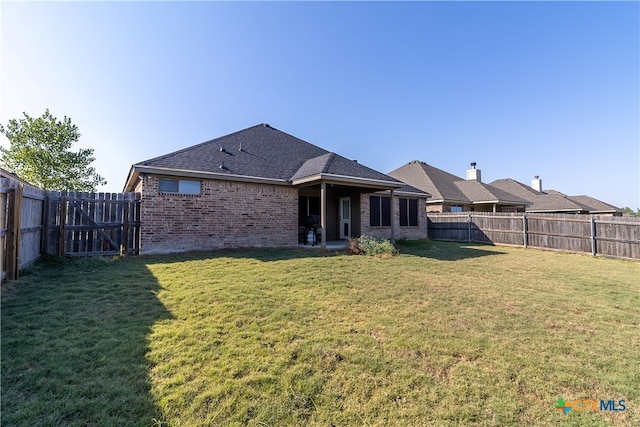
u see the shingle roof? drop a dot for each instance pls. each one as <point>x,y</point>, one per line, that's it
<point>594,205</point>
<point>263,152</point>
<point>444,186</point>
<point>552,200</point>
<point>540,201</point>
<point>334,164</point>
<point>438,183</point>
<point>587,203</point>
<point>477,192</point>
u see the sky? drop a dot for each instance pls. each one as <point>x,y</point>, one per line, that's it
<point>521,88</point>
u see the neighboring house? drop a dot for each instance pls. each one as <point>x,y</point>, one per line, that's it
<point>450,193</point>
<point>593,206</point>
<point>541,202</point>
<point>258,187</point>
<point>551,201</point>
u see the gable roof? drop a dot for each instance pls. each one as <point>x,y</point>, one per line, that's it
<point>446,187</point>
<point>264,154</point>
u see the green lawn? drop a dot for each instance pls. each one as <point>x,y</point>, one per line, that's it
<point>443,334</point>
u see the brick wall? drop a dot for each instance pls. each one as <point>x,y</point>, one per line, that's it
<point>225,215</point>
<point>408,233</point>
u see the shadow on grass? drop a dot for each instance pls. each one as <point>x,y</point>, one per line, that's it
<point>443,251</point>
<point>258,254</point>
<point>74,344</point>
<point>440,250</point>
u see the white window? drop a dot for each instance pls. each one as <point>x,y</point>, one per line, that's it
<point>456,208</point>
<point>181,186</point>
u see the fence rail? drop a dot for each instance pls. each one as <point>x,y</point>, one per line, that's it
<point>35,222</point>
<point>616,237</point>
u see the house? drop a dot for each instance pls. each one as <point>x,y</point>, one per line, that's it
<point>260,187</point>
<point>450,193</point>
<point>552,201</point>
<point>541,202</point>
<point>591,205</point>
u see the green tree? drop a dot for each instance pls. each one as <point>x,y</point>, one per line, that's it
<point>40,152</point>
<point>630,211</point>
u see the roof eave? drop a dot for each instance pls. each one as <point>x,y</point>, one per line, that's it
<point>408,194</point>
<point>502,202</point>
<point>555,210</point>
<point>136,170</point>
<point>345,179</point>
<point>441,200</point>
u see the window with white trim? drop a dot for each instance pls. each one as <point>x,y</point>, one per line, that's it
<point>456,208</point>
<point>180,186</point>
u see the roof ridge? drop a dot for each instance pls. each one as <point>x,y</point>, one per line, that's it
<point>329,162</point>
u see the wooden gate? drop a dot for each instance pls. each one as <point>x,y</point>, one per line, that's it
<point>85,224</point>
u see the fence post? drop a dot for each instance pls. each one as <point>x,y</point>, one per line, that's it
<point>125,229</point>
<point>525,237</point>
<point>594,247</point>
<point>469,228</point>
<point>62,243</point>
<point>13,236</point>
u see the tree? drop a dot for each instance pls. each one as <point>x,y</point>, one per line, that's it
<point>629,211</point>
<point>40,152</point>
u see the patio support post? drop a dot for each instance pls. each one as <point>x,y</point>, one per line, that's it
<point>393,218</point>
<point>323,214</point>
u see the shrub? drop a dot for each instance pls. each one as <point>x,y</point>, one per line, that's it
<point>368,245</point>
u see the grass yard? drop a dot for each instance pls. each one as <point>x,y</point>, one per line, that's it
<point>444,334</point>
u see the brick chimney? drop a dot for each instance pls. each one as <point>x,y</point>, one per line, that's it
<point>474,174</point>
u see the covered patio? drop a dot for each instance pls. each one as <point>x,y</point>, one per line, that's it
<point>333,201</point>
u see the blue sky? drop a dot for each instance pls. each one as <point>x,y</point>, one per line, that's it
<point>521,88</point>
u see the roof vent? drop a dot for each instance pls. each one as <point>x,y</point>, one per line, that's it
<point>222,150</point>
<point>266,125</point>
<point>240,149</point>
<point>222,165</point>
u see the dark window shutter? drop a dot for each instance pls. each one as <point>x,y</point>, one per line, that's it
<point>386,211</point>
<point>374,211</point>
<point>413,212</point>
<point>404,216</point>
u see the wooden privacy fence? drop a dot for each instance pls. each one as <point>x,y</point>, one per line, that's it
<point>21,225</point>
<point>616,237</point>
<point>35,222</point>
<point>86,224</point>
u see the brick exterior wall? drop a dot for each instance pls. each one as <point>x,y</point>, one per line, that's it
<point>408,233</point>
<point>225,215</point>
